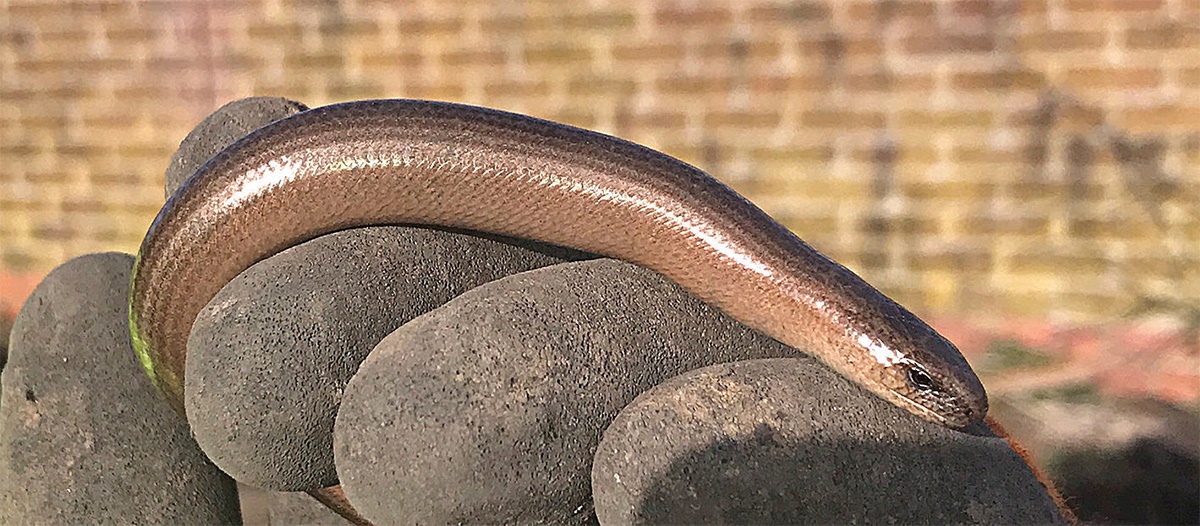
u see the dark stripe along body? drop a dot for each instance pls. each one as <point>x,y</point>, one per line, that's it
<point>420,162</point>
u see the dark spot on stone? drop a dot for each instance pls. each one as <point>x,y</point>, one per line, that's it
<point>763,434</point>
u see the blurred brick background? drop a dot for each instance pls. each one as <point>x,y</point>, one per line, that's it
<point>981,159</point>
<point>986,158</point>
<point>1018,171</point>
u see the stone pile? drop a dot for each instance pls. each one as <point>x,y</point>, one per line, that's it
<point>451,377</point>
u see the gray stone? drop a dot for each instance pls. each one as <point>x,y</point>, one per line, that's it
<point>489,409</point>
<point>269,356</point>
<point>297,325</point>
<point>84,436</point>
<point>781,441</point>
<point>220,129</point>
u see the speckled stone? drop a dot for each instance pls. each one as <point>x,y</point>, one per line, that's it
<point>220,129</point>
<point>297,325</point>
<point>779,441</point>
<point>490,408</point>
<point>84,436</point>
<point>269,356</point>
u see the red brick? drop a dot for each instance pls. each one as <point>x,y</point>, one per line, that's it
<point>557,53</point>
<point>49,119</point>
<point>504,23</point>
<point>601,84</point>
<point>418,25</point>
<point>838,49</point>
<point>1159,118</point>
<point>108,8</point>
<point>421,89</point>
<point>1095,78</point>
<point>912,155</point>
<point>959,258</point>
<point>122,32</point>
<point>339,89</point>
<point>792,154</point>
<point>862,12</point>
<point>647,51</point>
<point>829,118</point>
<point>998,80</point>
<point>596,20</point>
<point>473,57</point>
<point>1111,6</point>
<point>653,119</point>
<point>909,222</point>
<point>922,83</point>
<point>302,60</point>
<point>1175,35</point>
<point>876,80</point>
<point>532,88</point>
<point>1057,260</point>
<point>53,230</point>
<point>393,59</point>
<point>947,190</point>
<point>1034,189</point>
<point>780,84</point>
<point>341,27</point>
<point>14,288</point>
<point>789,12</point>
<point>949,43</point>
<point>694,84</point>
<point>78,64</point>
<point>760,51</point>
<point>983,8</point>
<point>741,119</point>
<point>1083,39</point>
<point>293,31</point>
<point>990,225</point>
<point>1121,226</point>
<point>946,118</point>
<point>58,90</point>
<point>118,177</point>
<point>1177,386</point>
<point>695,15</point>
<point>806,223</point>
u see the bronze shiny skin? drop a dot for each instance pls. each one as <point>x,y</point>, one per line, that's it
<point>430,163</point>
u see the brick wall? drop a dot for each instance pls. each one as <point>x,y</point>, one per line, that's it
<point>985,158</point>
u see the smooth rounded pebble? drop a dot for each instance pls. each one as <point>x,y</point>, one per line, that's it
<point>84,436</point>
<point>489,409</point>
<point>220,129</point>
<point>275,431</point>
<point>779,441</point>
<point>269,356</point>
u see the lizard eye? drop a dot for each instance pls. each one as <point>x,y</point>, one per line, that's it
<point>918,378</point>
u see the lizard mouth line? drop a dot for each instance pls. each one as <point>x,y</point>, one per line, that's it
<point>913,405</point>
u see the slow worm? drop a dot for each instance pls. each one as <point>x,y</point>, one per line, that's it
<point>430,163</point>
